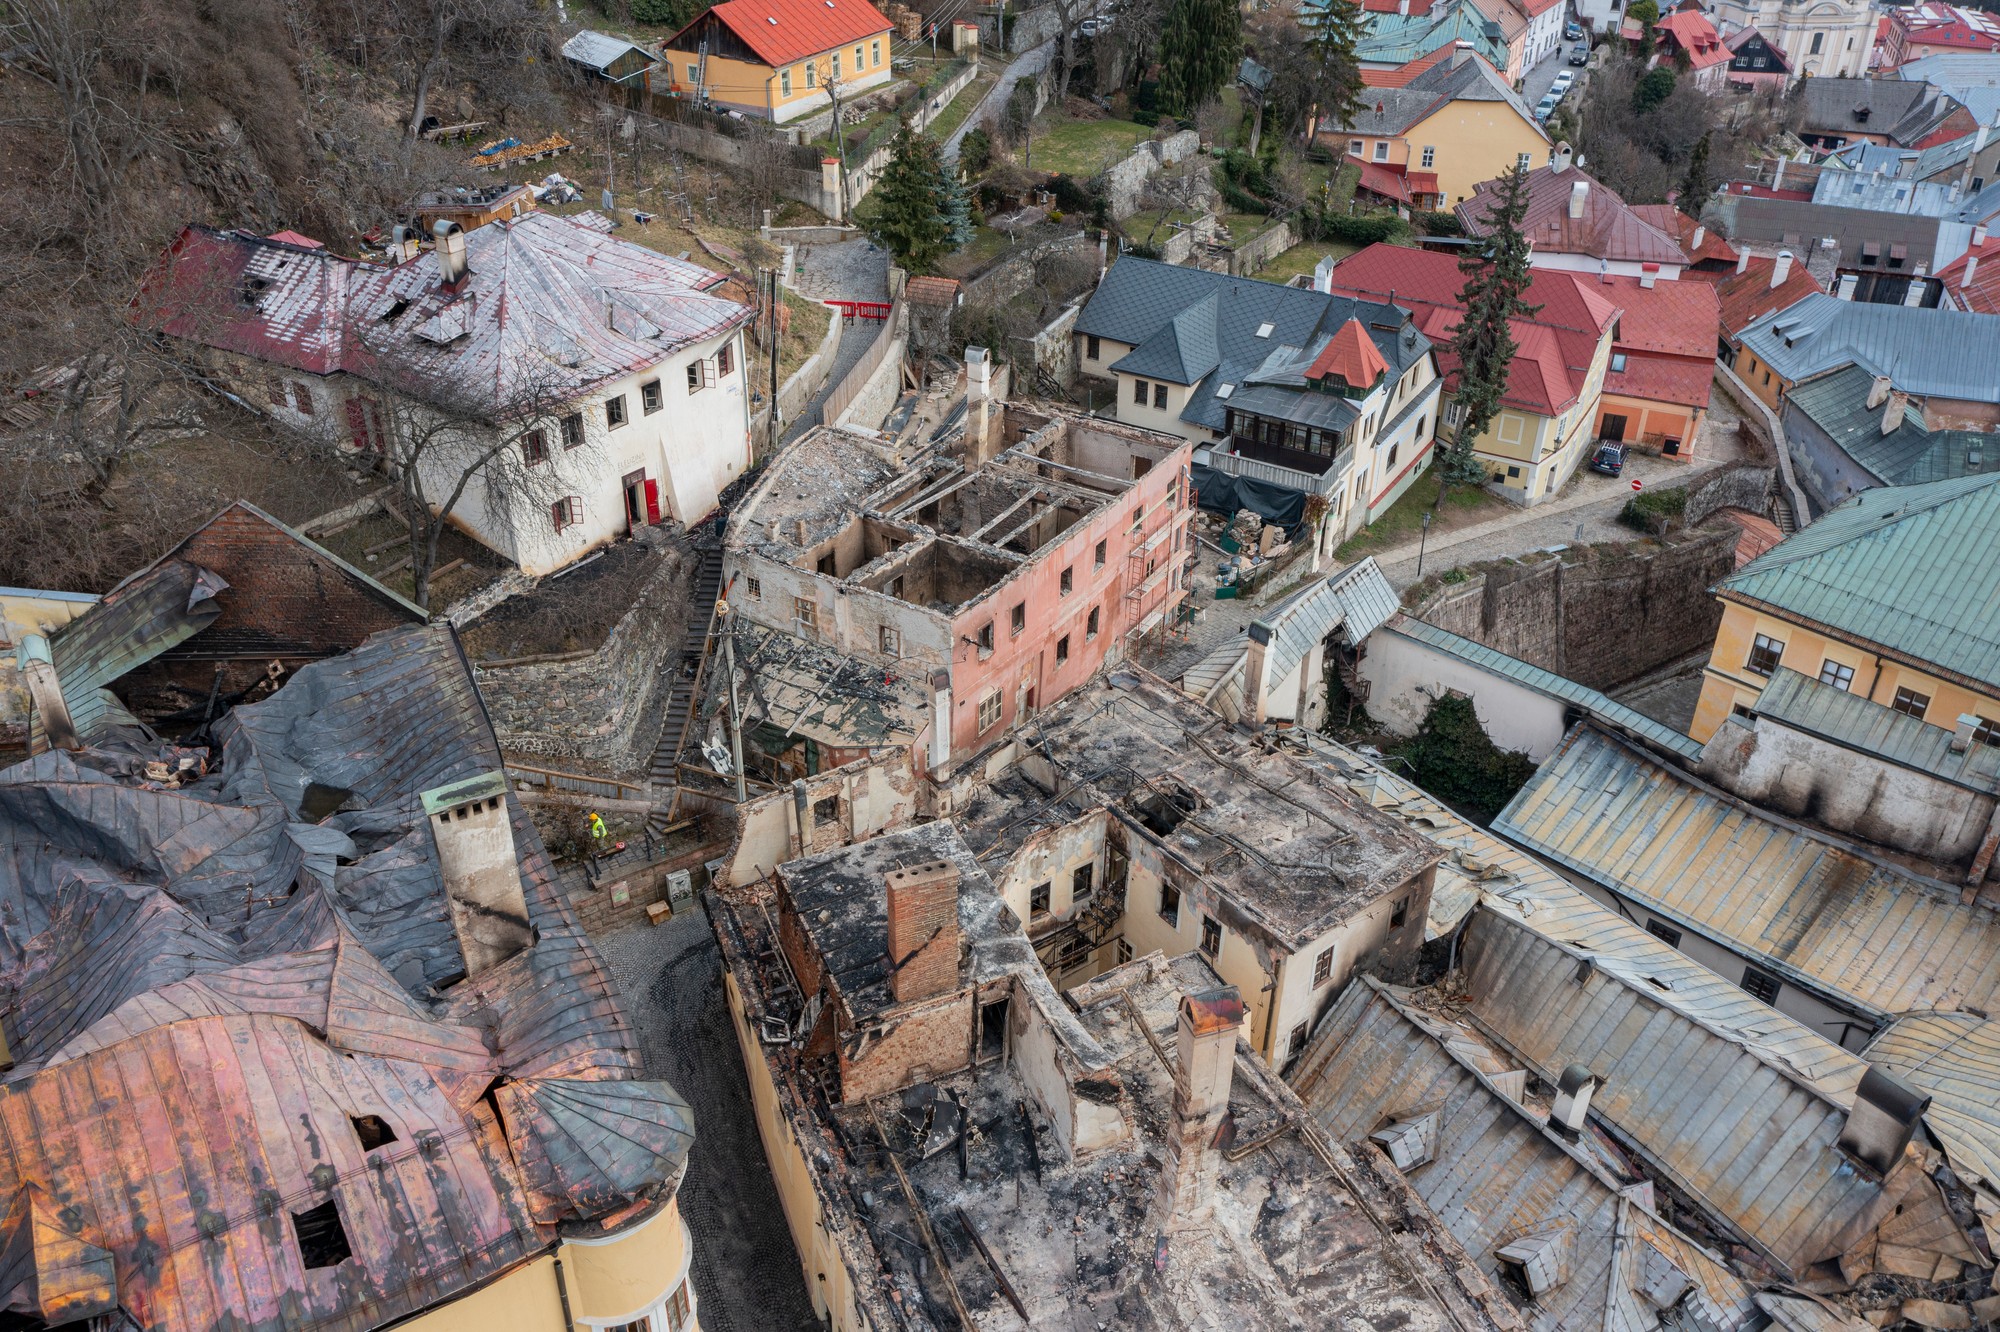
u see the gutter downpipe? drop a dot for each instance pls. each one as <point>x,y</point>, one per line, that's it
<point>562,1293</point>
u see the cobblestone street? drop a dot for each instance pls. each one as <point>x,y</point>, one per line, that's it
<point>746,1272</point>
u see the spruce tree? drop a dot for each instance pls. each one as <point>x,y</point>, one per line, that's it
<point>910,218</point>
<point>1199,49</point>
<point>1332,28</point>
<point>1695,185</point>
<point>1496,273</point>
<point>956,207</point>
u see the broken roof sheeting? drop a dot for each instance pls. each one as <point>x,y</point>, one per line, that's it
<point>589,1145</point>
<point>1955,1059</point>
<point>1814,911</point>
<point>251,992</point>
<point>1353,602</point>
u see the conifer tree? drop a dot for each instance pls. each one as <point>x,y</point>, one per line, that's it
<point>1496,273</point>
<point>910,219</point>
<point>1695,184</point>
<point>1199,49</point>
<point>956,207</point>
<point>1332,28</point>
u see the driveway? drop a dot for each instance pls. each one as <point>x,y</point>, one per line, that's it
<point>856,270</point>
<point>1031,61</point>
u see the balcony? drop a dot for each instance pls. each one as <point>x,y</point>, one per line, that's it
<point>1313,473</point>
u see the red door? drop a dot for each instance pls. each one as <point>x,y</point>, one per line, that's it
<point>364,425</point>
<point>652,501</point>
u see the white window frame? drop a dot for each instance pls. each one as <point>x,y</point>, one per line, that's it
<point>784,83</point>
<point>1381,150</point>
<point>1430,152</point>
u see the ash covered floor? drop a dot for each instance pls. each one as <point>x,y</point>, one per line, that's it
<point>746,1272</point>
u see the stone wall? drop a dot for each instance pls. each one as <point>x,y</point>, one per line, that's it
<point>797,392</point>
<point>1254,252</point>
<point>1125,181</point>
<point>600,707</point>
<point>1054,348</point>
<point>1016,273</point>
<point>617,901</point>
<point>1025,30</point>
<point>1599,615</point>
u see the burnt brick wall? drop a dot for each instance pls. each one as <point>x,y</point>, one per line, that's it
<point>921,1041</point>
<point>1599,615</point>
<point>598,909</point>
<point>603,707</point>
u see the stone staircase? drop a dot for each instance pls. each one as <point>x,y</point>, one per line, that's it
<point>677,725</point>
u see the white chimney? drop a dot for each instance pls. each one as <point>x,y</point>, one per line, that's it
<point>1961,737</point>
<point>1892,415</point>
<point>1648,275</point>
<point>1571,1108</point>
<point>1460,53</point>
<point>1254,683</point>
<point>1914,296</point>
<point>1778,176</point>
<point>1205,1046</point>
<point>1781,269</point>
<point>978,396</point>
<point>1878,391</point>
<point>1979,137</point>
<point>1971,267</point>
<point>1979,235</point>
<point>482,871</point>
<point>1403,8</point>
<point>1562,157</point>
<point>1742,260</point>
<point>1700,235</point>
<point>1579,193</point>
<point>450,252</point>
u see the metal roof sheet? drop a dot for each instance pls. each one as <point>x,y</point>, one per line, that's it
<point>600,50</point>
<point>1353,602</point>
<point>1593,701</point>
<point>1846,718</point>
<point>1890,566</point>
<point>1936,353</point>
<point>1955,1059</point>
<point>1816,912</point>
<point>1608,228</point>
<point>1909,455</point>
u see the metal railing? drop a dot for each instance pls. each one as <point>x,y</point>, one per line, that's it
<point>1325,483</point>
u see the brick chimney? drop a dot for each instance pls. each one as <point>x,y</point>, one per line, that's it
<point>1781,269</point>
<point>1254,683</point>
<point>923,930</point>
<point>1579,195</point>
<point>482,871</point>
<point>1878,391</point>
<point>1892,415</point>
<point>1204,1067</point>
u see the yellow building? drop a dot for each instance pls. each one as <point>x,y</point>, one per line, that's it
<point>1879,598</point>
<point>1448,122</point>
<point>781,59</point>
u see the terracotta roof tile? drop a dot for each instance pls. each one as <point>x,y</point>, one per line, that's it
<point>1982,294</point>
<point>1608,228</point>
<point>1748,296</point>
<point>783,32</point>
<point>1352,355</point>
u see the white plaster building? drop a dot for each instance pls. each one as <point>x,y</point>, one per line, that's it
<point>1820,38</point>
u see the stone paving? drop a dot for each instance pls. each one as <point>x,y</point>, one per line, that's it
<point>746,1272</point>
<point>856,270</point>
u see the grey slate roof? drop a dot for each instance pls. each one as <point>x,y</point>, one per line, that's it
<point>1804,704</point>
<point>1933,353</point>
<point>1182,350</point>
<point>1898,108</point>
<point>1387,111</point>
<point>1253,75</point>
<point>1910,454</point>
<point>1894,566</point>
<point>1596,703</point>
<point>1141,298</point>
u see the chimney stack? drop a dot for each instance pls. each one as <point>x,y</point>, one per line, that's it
<point>450,239</point>
<point>1700,235</point>
<point>1961,737</point>
<point>1571,1108</point>
<point>1979,235</point>
<point>1878,391</point>
<point>1648,275</point>
<point>923,930</point>
<point>1562,158</point>
<point>1579,194</point>
<point>1782,269</point>
<point>978,398</point>
<point>1254,683</point>
<point>940,719</point>
<point>1848,283</point>
<point>38,673</point>
<point>1913,295</point>
<point>1204,1067</point>
<point>1460,53</point>
<point>482,871</point>
<point>1892,415</point>
<point>1882,1122</point>
<point>1971,267</point>
<point>1742,261</point>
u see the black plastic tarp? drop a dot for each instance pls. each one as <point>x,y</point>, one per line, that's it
<point>1219,492</point>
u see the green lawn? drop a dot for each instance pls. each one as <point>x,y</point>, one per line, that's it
<point>969,97</point>
<point>1301,259</point>
<point>1404,521</point>
<point>1082,148</point>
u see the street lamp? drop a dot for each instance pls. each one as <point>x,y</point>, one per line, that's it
<point>1422,541</point>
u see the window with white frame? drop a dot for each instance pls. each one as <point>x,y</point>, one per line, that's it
<point>1381,150</point>
<point>1430,157</point>
<point>784,83</point>
<point>989,710</point>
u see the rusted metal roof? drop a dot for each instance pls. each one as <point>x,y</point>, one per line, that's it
<point>1955,1059</point>
<point>1815,911</point>
<point>251,986</point>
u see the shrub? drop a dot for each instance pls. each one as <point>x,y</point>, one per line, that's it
<point>1655,511</point>
<point>1442,222</point>
<point>1365,229</point>
<point>671,12</point>
<point>1453,758</point>
<point>975,152</point>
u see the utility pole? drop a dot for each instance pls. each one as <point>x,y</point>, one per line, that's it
<point>727,629</point>
<point>771,417</point>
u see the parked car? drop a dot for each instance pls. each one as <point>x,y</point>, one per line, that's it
<point>1580,54</point>
<point>1572,31</point>
<point>1546,107</point>
<point>1563,81</point>
<point>1609,458</point>
<point>1093,25</point>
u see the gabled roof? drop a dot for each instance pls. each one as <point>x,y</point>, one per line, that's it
<point>1404,98</point>
<point>1694,34</point>
<point>1934,24</point>
<point>1351,356</point>
<point>1403,73</point>
<point>551,305</point>
<point>1903,111</point>
<point>1742,37</point>
<point>1982,294</point>
<point>1557,344</point>
<point>1396,39</point>
<point>783,32</point>
<point>1670,220</point>
<point>1607,230</point>
<point>1811,910</point>
<point>1909,455</point>
<point>1800,702</point>
<point>1934,353</point>
<point>600,50</point>
<point>1748,296</point>
<point>1222,330</point>
<point>1353,603</point>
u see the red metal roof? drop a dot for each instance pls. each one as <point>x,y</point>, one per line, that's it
<point>1351,354</point>
<point>1682,228</point>
<point>1608,229</point>
<point>784,32</point>
<point>1749,296</point>
<point>1982,294</point>
<point>1556,345</point>
<point>1402,74</point>
<point>1694,34</point>
<point>1378,178</point>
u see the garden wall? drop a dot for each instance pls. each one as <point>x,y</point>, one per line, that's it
<point>1125,181</point>
<point>1599,615</point>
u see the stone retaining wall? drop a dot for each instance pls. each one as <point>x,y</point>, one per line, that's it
<point>621,900</point>
<point>1599,615</point>
<point>601,707</point>
<point>1125,180</point>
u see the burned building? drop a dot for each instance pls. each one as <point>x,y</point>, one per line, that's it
<point>957,1146</point>
<point>299,1031</point>
<point>974,581</point>
<point>1128,819</point>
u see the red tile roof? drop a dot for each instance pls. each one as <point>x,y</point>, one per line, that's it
<point>783,32</point>
<point>1694,34</point>
<point>1556,345</point>
<point>1352,355</point>
<point>931,291</point>
<point>1982,294</point>
<point>1748,296</point>
<point>1380,180</point>
<point>1608,229</point>
<point>1676,318</point>
<point>1402,74</point>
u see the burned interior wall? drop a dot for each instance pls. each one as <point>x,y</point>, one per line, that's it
<point>870,796</point>
<point>908,1044</point>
